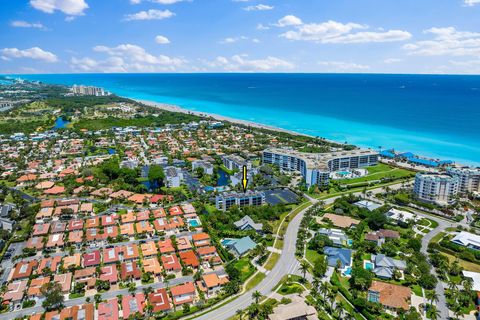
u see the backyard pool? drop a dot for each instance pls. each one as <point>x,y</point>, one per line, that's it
<point>348,271</point>
<point>194,223</point>
<point>369,266</point>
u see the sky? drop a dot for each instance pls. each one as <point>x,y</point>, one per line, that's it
<point>359,36</point>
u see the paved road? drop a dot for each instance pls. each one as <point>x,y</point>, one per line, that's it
<point>287,264</point>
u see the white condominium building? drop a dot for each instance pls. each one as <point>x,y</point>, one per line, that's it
<point>89,91</point>
<point>469,179</point>
<point>316,167</point>
<point>436,188</point>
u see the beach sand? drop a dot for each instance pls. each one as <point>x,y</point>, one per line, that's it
<point>175,108</point>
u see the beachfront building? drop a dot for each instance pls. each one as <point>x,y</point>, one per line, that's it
<point>89,91</point>
<point>316,167</point>
<point>436,188</point>
<point>469,179</point>
<point>250,198</point>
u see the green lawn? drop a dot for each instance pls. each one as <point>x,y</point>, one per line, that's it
<point>312,256</point>
<point>254,281</point>
<point>245,267</point>
<point>379,172</point>
<point>438,237</point>
<point>272,261</point>
<point>290,288</point>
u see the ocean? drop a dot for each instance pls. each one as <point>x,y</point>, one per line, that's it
<point>435,116</point>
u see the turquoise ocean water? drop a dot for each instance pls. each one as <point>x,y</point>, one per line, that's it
<point>431,115</point>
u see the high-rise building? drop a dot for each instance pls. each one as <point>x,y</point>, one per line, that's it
<point>316,167</point>
<point>436,188</point>
<point>469,179</point>
<point>89,91</point>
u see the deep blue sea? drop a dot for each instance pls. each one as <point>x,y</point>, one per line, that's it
<point>430,115</point>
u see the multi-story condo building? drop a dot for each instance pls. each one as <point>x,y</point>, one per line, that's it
<point>436,188</point>
<point>234,162</point>
<point>89,91</point>
<point>225,201</point>
<point>316,167</point>
<point>469,179</point>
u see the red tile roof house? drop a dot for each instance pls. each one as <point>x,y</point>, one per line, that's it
<point>93,235</point>
<point>143,227</point>
<point>175,211</point>
<point>170,263</point>
<point>133,304</point>
<point>208,254</point>
<point>108,310</point>
<point>166,246</point>
<point>143,215</point>
<point>65,281</point>
<point>41,229</point>
<point>92,222</point>
<point>35,285</point>
<point>58,227</point>
<point>161,224</point>
<point>130,270</point>
<point>55,240</point>
<point>111,255</point>
<point>130,252</point>
<point>86,275</point>
<point>91,259</point>
<point>35,242</point>
<point>149,249</point>
<point>75,237</point>
<point>211,283</point>
<point>189,259</point>
<point>160,300</point>
<point>183,244</point>
<point>23,269</point>
<point>108,220</point>
<point>201,239</point>
<point>50,263</point>
<point>188,208</point>
<point>110,231</point>
<point>184,293</point>
<point>15,291</point>
<point>159,213</point>
<point>109,273</point>
<point>75,224</point>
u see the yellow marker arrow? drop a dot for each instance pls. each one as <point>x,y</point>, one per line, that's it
<point>244,180</point>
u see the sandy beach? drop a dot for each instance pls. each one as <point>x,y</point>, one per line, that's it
<point>174,108</point>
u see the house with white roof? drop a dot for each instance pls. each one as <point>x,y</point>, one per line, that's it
<point>468,240</point>
<point>401,215</point>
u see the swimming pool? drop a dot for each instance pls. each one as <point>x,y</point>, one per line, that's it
<point>369,266</point>
<point>349,242</point>
<point>348,271</point>
<point>226,242</point>
<point>194,223</point>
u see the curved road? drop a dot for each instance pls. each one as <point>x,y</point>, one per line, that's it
<point>287,264</point>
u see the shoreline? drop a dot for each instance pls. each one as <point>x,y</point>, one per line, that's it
<point>175,108</point>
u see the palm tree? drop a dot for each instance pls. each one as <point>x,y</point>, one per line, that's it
<point>434,313</point>
<point>468,284</point>
<point>324,289</point>
<point>256,296</point>
<point>239,313</point>
<point>339,310</point>
<point>452,286</point>
<point>304,268</point>
<point>432,296</point>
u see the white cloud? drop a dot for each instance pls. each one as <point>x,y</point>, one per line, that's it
<point>446,41</point>
<point>262,27</point>
<point>258,7</point>
<point>70,7</point>
<point>151,14</point>
<point>25,24</point>
<point>162,40</point>
<point>237,39</point>
<point>471,3</point>
<point>33,53</point>
<point>392,60</point>
<point>127,58</point>
<point>158,1</point>
<point>243,63</point>
<point>289,20</point>
<point>340,66</point>
<point>337,32</point>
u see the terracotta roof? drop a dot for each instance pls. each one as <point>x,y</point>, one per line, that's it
<point>55,190</point>
<point>152,265</point>
<point>36,284</point>
<point>341,221</point>
<point>159,300</point>
<point>391,295</point>
<point>64,280</point>
<point>212,280</point>
<point>108,310</point>
<point>23,269</point>
<point>109,273</point>
<point>15,291</point>
<point>189,258</point>
<point>133,304</point>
